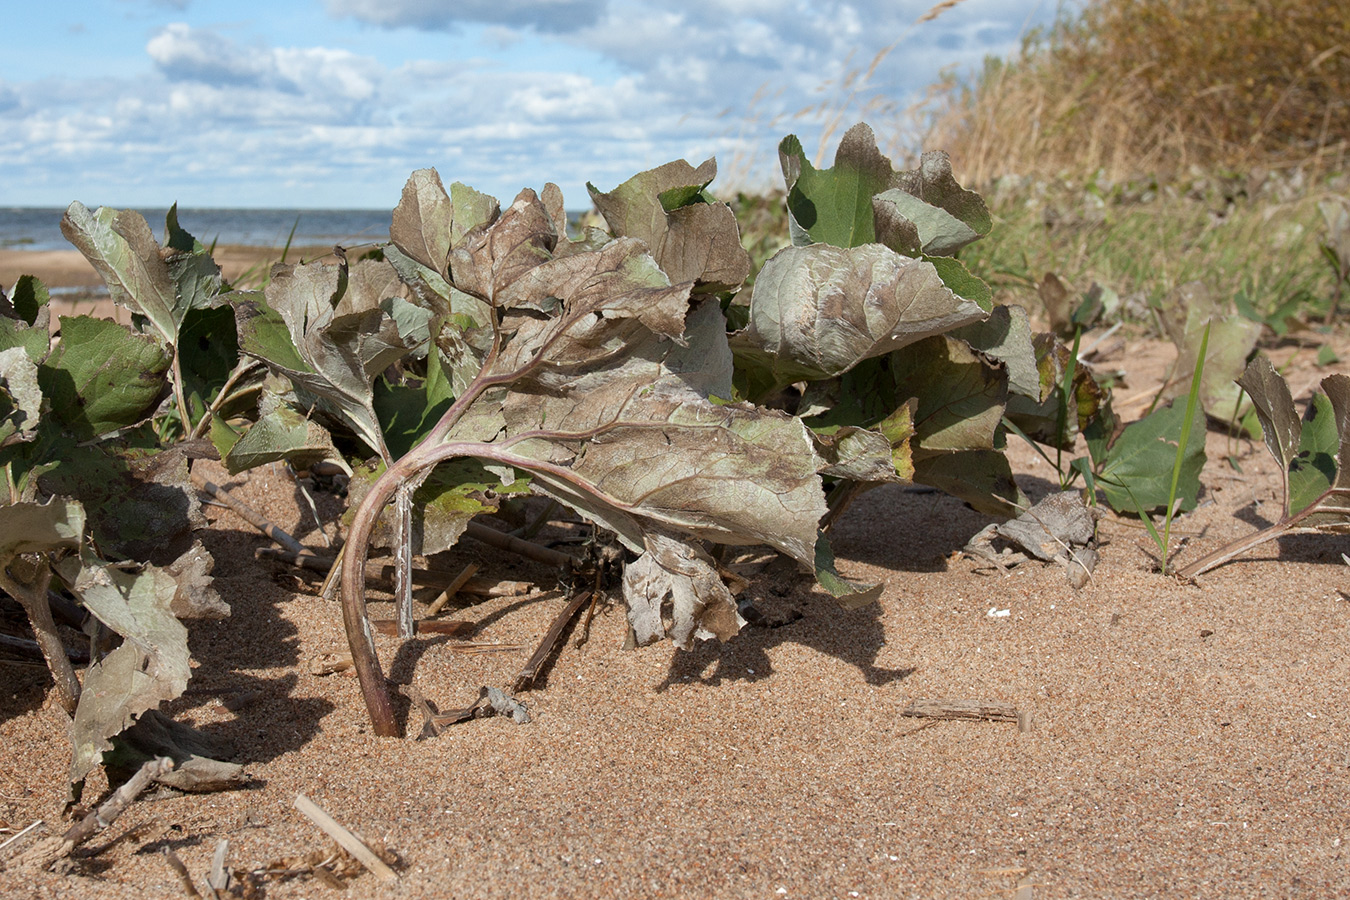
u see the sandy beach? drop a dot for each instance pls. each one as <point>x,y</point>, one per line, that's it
<point>1185,740</point>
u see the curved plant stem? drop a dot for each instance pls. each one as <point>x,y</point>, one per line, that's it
<point>1287,525</point>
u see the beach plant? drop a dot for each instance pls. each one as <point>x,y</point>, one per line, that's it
<point>1312,454</point>
<point>92,501</point>
<point>868,322</point>
<point>581,367</point>
<point>489,350</point>
<point>1163,541</point>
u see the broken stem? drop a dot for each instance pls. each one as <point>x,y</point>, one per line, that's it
<point>531,669</point>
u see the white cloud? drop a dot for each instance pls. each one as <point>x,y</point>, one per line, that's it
<point>432,15</point>
<point>222,117</point>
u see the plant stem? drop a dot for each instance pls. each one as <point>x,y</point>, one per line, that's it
<point>33,598</point>
<point>1287,525</point>
<point>246,365</point>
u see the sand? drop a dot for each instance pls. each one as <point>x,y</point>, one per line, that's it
<point>1186,740</point>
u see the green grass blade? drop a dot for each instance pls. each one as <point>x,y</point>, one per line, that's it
<point>1192,399</point>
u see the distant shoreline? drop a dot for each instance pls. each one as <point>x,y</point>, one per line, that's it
<point>69,271</point>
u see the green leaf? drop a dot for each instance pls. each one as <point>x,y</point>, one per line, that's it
<point>443,504</point>
<point>981,478</point>
<point>959,397</point>
<point>834,206</point>
<point>208,351</point>
<point>1232,338</point>
<point>34,339</point>
<point>860,454</point>
<point>850,594</point>
<point>28,297</point>
<point>945,217</point>
<point>281,433</point>
<point>123,250</point>
<point>329,335</point>
<point>1313,470</point>
<point>960,282</point>
<point>1143,456</point>
<point>101,377</point>
<point>141,504</point>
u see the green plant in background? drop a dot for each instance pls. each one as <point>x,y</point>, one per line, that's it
<point>1180,461</point>
<point>1313,456</point>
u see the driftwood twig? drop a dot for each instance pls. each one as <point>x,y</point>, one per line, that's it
<point>991,710</point>
<point>181,870</point>
<point>483,587</point>
<point>452,588</point>
<point>48,851</point>
<point>503,541</point>
<point>345,838</point>
<point>248,513</point>
<point>531,669</point>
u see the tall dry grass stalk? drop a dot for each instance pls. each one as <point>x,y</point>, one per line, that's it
<point>1134,87</point>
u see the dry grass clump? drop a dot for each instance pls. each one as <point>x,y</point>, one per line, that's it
<point>1131,87</point>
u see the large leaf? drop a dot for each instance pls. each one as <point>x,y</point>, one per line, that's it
<point>330,335</point>
<point>39,527</point>
<point>691,236</point>
<point>142,504</point>
<point>928,204</point>
<point>818,311</point>
<point>122,248</point>
<point>834,206</point>
<point>150,666</point>
<point>1136,474</point>
<point>101,377</point>
<point>1185,315</point>
<point>428,223</point>
<point>959,397</point>
<point>982,478</point>
<point>1279,419</point>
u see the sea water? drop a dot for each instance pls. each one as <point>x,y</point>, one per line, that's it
<point>32,228</point>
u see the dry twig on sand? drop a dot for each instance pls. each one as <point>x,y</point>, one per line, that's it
<point>345,838</point>
<point>46,853</point>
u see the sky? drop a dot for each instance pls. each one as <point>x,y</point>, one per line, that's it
<point>333,103</point>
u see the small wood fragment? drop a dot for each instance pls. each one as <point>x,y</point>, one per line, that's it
<point>990,710</point>
<point>1024,720</point>
<point>181,870</point>
<point>425,626</point>
<point>452,588</point>
<point>219,879</point>
<point>331,664</point>
<point>531,670</point>
<point>248,513</point>
<point>345,838</point>
<point>17,837</point>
